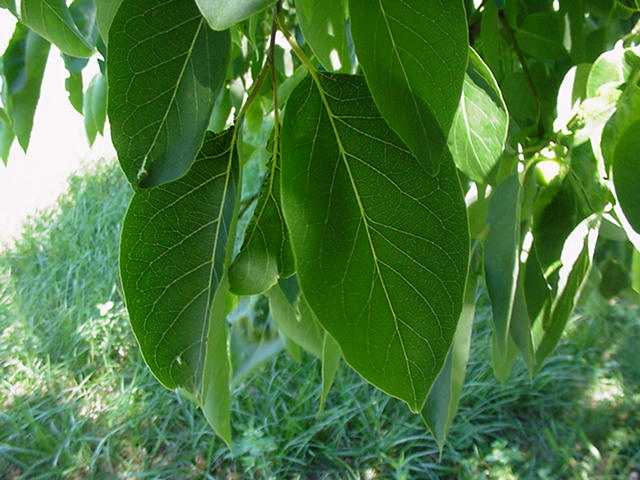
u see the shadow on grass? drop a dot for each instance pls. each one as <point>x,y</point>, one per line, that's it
<point>78,402</point>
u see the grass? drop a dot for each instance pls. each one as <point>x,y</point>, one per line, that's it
<point>76,400</point>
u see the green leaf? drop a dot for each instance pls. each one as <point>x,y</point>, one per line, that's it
<point>172,264</point>
<point>480,126</point>
<point>266,254</point>
<point>501,255</point>
<point>165,69</point>
<point>520,326</point>
<point>381,246</point>
<point>442,403</point>
<point>52,20</point>
<point>6,136</point>
<point>331,357</point>
<point>541,36</point>
<point>324,26</point>
<point>610,70</point>
<point>294,317</point>
<point>576,260</point>
<point>95,107</point>
<point>635,271</point>
<point>8,4</point>
<point>614,278</point>
<point>572,92</point>
<point>105,13</point>
<point>414,56</point>
<point>73,85</point>
<point>626,174</point>
<point>222,14</point>
<point>24,62</point>
<point>626,114</point>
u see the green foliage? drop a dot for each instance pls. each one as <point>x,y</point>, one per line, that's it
<point>361,128</point>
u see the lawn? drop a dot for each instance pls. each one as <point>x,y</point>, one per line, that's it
<point>76,400</point>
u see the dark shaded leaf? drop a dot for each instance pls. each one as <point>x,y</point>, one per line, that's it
<point>172,262</point>
<point>165,69</point>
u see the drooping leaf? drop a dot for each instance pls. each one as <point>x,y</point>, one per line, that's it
<point>331,356</point>
<point>172,262</point>
<point>222,14</point>
<point>501,255</point>
<point>626,174</point>
<point>541,36</point>
<point>165,69</point>
<point>576,260</point>
<point>520,326</point>
<point>52,20</point>
<point>294,318</point>
<point>24,62</point>
<point>266,254</point>
<point>73,85</point>
<point>6,136</point>
<point>414,56</point>
<point>381,246</point>
<point>105,13</point>
<point>323,25</point>
<point>442,402</point>
<point>95,107</point>
<point>480,126</point>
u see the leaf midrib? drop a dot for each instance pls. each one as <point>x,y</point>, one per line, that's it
<point>189,53</point>
<point>364,217</point>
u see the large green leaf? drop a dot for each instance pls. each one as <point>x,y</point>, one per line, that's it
<point>626,174</point>
<point>222,14</point>
<point>105,13</point>
<point>635,271</point>
<point>381,246</point>
<point>266,254</point>
<point>165,69</point>
<point>442,403</point>
<point>480,126</point>
<point>324,26</point>
<point>52,20</point>
<point>627,113</point>
<point>95,107</point>
<point>576,260</point>
<point>414,56</point>
<point>541,36</point>
<point>501,255</point>
<point>172,263</point>
<point>24,62</point>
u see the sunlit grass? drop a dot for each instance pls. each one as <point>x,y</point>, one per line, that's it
<point>76,401</point>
